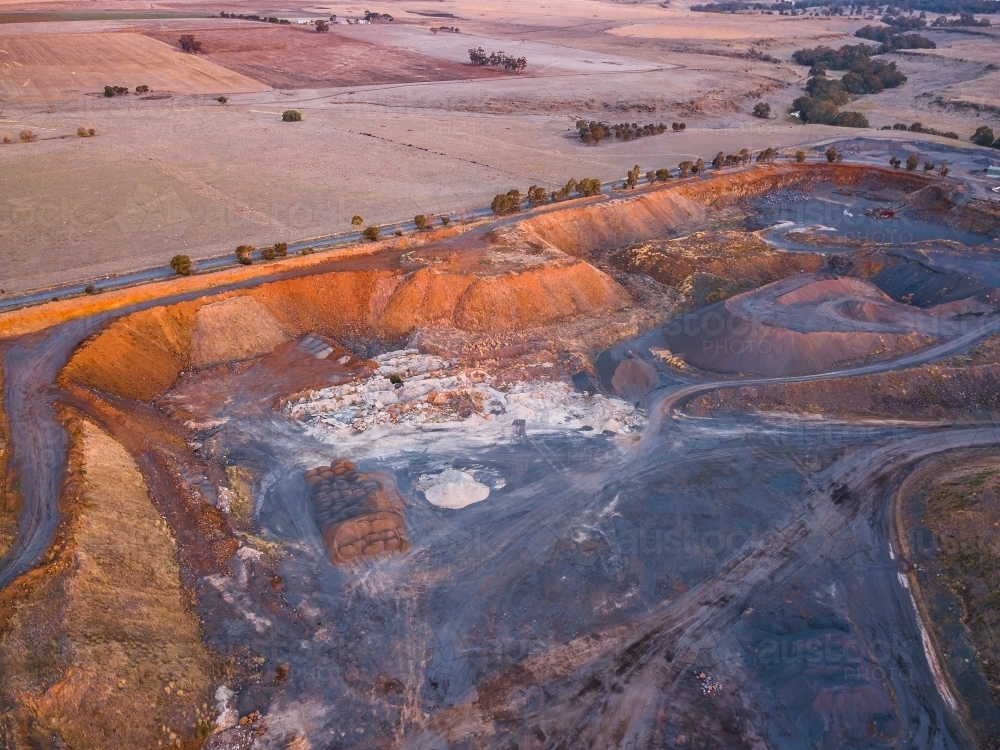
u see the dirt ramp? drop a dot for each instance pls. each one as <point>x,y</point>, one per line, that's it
<point>357,514</point>
<point>234,329</point>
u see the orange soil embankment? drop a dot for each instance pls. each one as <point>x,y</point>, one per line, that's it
<point>656,212</point>
<point>140,355</point>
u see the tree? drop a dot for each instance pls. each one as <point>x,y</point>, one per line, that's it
<point>983,136</point>
<point>291,115</point>
<point>633,177</point>
<point>181,265</point>
<point>766,156</point>
<point>142,89</point>
<point>685,168</point>
<point>944,169</point>
<point>719,160</point>
<point>651,176</point>
<point>243,253</point>
<point>322,26</point>
<point>762,110</point>
<point>831,154</point>
<point>420,220</point>
<point>222,99</point>
<point>27,136</point>
<point>894,162</point>
<point>589,186</point>
<point>357,221</point>
<point>663,174</point>
<point>537,195</point>
<point>189,44</point>
<point>911,162</point>
<point>928,167</point>
<point>744,156</point>
<point>445,221</point>
<point>372,233</point>
<point>699,166</point>
<point>800,156</point>
<point>506,203</point>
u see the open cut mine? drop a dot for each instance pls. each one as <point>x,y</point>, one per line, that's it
<point>540,480</point>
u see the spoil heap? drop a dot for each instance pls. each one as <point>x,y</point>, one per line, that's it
<point>355,513</point>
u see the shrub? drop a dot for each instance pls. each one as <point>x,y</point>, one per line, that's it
<point>372,233</point>
<point>322,26</point>
<point>27,136</point>
<point>663,175</point>
<point>420,220</point>
<point>291,115</point>
<point>894,162</point>
<point>181,265</point>
<point>678,126</point>
<point>395,379</point>
<point>82,132</point>
<point>762,110</point>
<point>943,170</point>
<point>90,289</point>
<point>831,154</point>
<point>685,168</point>
<point>6,138</point>
<point>445,221</point>
<point>243,253</point>
<point>222,99</point>
<point>142,89</point>
<point>912,161</point>
<point>983,136</point>
<point>699,166</point>
<point>800,156</point>
<point>357,221</point>
<point>277,250</point>
<point>928,167</point>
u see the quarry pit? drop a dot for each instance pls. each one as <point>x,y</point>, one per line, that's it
<point>611,473</point>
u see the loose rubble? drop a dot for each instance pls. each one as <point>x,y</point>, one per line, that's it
<point>413,393</point>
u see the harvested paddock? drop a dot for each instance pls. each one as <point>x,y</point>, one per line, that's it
<point>64,66</point>
<point>292,58</point>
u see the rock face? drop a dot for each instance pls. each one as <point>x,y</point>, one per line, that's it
<point>234,329</point>
<point>356,513</point>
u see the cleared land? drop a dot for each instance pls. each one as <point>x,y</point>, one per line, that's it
<point>71,66</point>
<point>294,58</point>
<point>395,120</point>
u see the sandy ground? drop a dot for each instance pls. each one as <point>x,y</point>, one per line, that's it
<point>396,122</point>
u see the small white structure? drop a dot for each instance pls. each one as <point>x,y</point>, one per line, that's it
<point>993,172</point>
